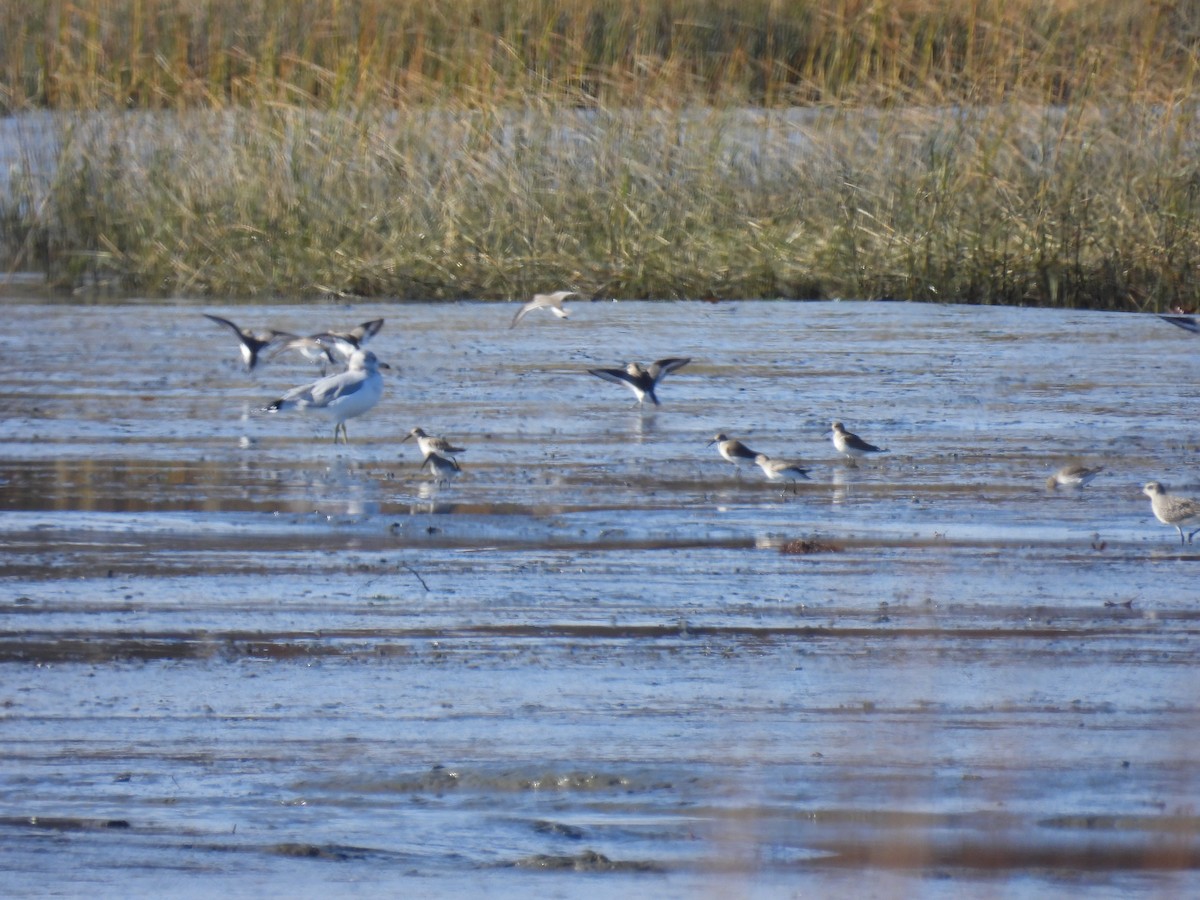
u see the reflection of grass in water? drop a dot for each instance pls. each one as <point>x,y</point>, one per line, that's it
<point>663,186</point>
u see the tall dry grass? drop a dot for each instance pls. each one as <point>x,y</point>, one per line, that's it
<point>172,53</point>
<point>984,151</point>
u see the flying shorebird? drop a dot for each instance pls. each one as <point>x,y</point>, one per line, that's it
<point>342,396</point>
<point>429,444</point>
<point>330,346</point>
<point>733,450</point>
<point>1074,475</point>
<point>1187,323</point>
<point>252,343</point>
<point>552,302</point>
<point>1172,510</point>
<point>642,380</point>
<point>851,445</point>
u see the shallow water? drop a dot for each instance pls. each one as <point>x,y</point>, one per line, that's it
<point>238,658</point>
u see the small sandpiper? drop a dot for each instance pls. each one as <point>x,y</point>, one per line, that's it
<point>252,343</point>
<point>781,469</point>
<point>851,445</point>
<point>1073,475</point>
<point>552,302</point>
<point>430,444</point>
<point>342,396</point>
<point>733,450</point>
<point>1172,510</point>
<point>443,468</point>
<point>642,380</point>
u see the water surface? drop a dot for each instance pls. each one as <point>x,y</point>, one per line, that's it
<point>238,658</point>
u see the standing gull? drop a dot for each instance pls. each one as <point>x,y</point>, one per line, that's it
<point>342,396</point>
<point>251,343</point>
<point>552,302</point>
<point>1074,475</point>
<point>642,380</point>
<point>851,445</point>
<point>430,444</point>
<point>1172,510</point>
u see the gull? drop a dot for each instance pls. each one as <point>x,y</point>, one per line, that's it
<point>642,380</point>
<point>429,444</point>
<point>1172,510</point>
<point>552,302</point>
<point>342,396</point>
<point>733,450</point>
<point>851,445</point>
<point>330,346</point>
<point>1074,475</point>
<point>251,343</point>
<point>780,469</point>
<point>443,468</point>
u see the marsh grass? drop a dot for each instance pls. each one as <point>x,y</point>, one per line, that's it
<point>952,152</point>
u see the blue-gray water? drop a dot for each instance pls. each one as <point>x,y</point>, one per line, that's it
<point>237,659</point>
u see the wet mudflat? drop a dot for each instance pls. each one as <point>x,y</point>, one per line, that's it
<point>236,658</point>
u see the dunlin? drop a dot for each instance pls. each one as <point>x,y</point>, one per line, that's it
<point>552,302</point>
<point>342,396</point>
<point>733,450</point>
<point>429,444</point>
<point>1172,510</point>
<point>851,445</point>
<point>642,380</point>
<point>442,467</point>
<point>781,469</point>
<point>252,343</point>
<point>1073,475</point>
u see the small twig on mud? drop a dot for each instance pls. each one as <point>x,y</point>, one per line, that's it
<point>416,575</point>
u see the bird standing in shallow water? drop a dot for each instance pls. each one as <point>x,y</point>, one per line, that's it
<point>1172,510</point>
<point>552,302</point>
<point>443,468</point>
<point>1073,475</point>
<point>642,380</point>
<point>252,343</point>
<point>733,450</point>
<point>781,469</point>
<point>429,444</point>
<point>342,396</point>
<point>850,445</point>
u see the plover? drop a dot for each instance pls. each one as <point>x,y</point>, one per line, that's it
<point>1073,475</point>
<point>642,380</point>
<point>442,467</point>
<point>851,445</point>
<point>1172,510</point>
<point>252,343</point>
<point>552,302</point>
<point>342,396</point>
<point>429,444</point>
<point>733,450</point>
<point>781,469</point>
